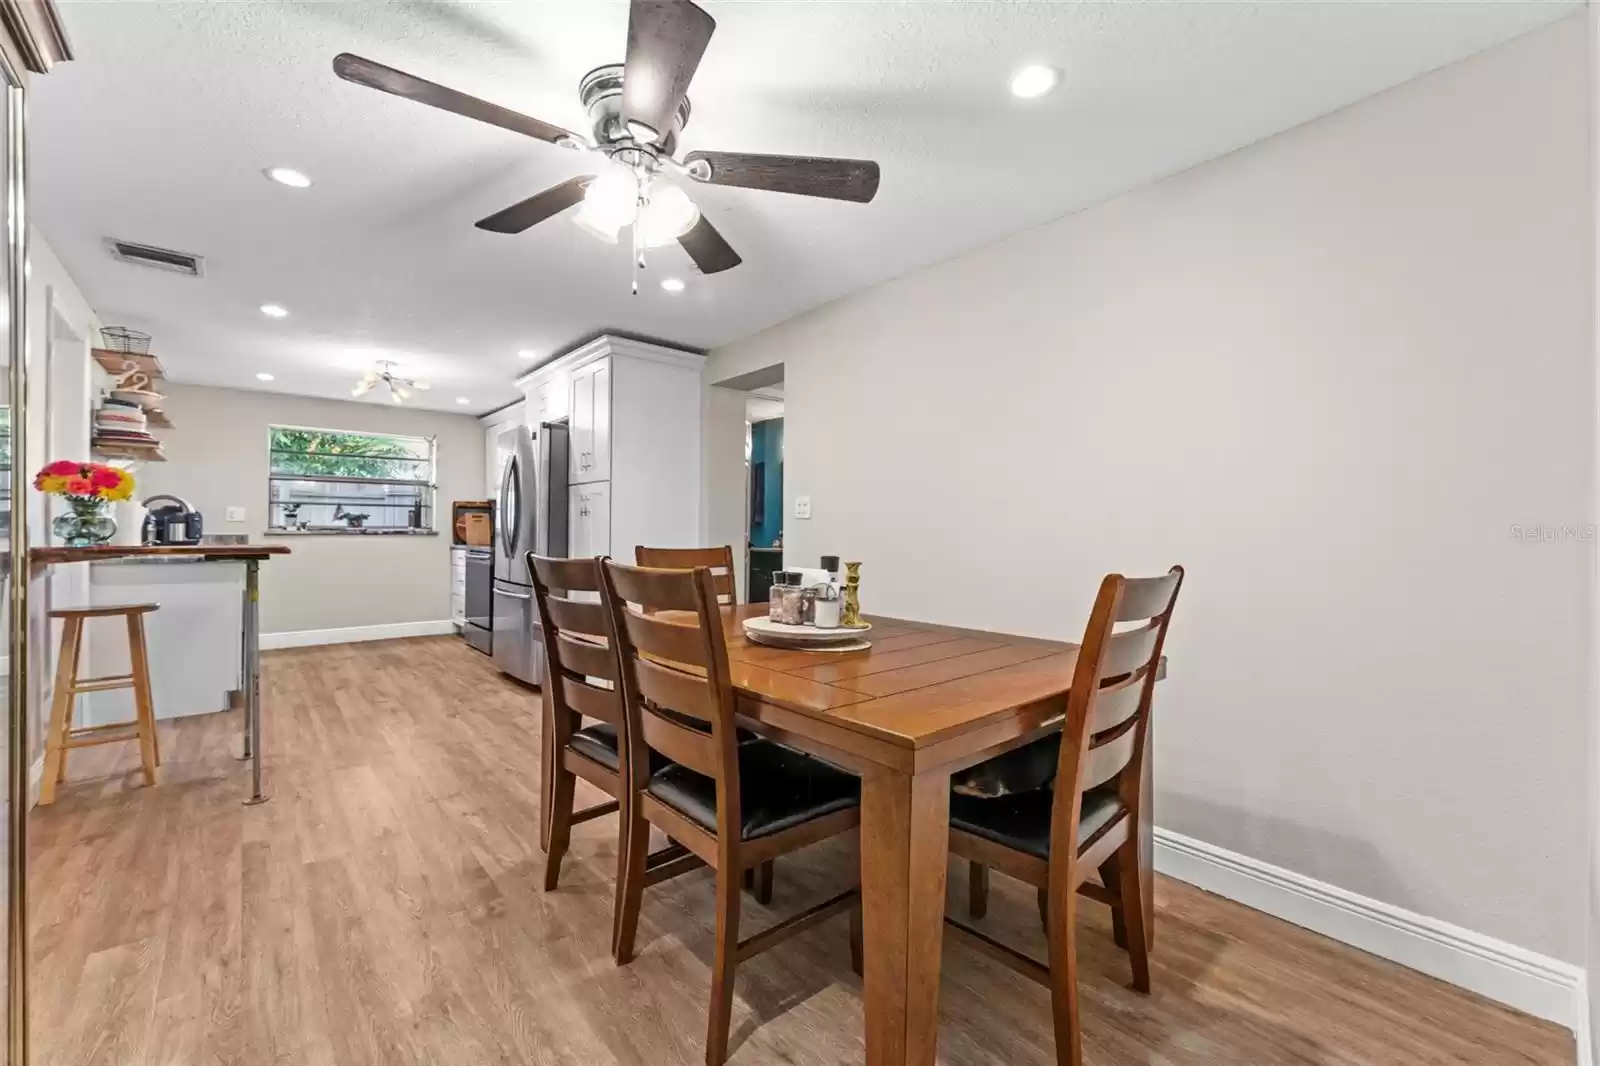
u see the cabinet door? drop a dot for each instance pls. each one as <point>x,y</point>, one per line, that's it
<point>578,523</point>
<point>600,446</point>
<point>597,502</point>
<point>582,424</point>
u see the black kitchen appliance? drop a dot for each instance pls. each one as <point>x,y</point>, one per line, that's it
<point>173,522</point>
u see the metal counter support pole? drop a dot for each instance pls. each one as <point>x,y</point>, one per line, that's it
<point>252,675</point>
<point>244,667</point>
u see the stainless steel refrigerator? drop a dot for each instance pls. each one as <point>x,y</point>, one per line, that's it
<point>530,515</point>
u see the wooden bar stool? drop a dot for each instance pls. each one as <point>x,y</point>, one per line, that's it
<point>62,737</point>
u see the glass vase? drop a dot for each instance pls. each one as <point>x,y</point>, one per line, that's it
<point>86,522</point>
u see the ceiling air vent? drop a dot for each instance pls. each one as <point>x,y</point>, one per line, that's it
<point>151,256</point>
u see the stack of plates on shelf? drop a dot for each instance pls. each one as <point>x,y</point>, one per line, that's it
<point>123,422</point>
<point>810,638</point>
<point>137,397</point>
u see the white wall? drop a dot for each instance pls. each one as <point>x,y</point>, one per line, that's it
<point>1327,373</point>
<point>218,459</point>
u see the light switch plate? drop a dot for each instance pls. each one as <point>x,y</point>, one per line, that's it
<point>235,514</point>
<point>802,506</point>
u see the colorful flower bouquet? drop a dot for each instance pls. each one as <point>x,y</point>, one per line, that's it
<point>89,489</point>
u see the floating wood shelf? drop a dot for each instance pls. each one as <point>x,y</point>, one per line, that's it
<point>117,362</point>
<point>128,450</point>
<point>158,418</point>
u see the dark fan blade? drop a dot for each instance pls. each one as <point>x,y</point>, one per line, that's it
<point>399,83</point>
<point>536,209</point>
<point>666,39</point>
<point>709,251</point>
<point>836,179</point>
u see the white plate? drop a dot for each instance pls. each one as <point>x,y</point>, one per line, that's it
<point>766,627</point>
<point>853,644</point>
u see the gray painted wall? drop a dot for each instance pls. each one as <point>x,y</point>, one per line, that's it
<point>1328,373</point>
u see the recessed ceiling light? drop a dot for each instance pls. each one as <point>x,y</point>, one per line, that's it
<point>274,310</point>
<point>263,376</point>
<point>672,284</point>
<point>285,176</point>
<point>527,353</point>
<point>1030,82</point>
<point>462,400</point>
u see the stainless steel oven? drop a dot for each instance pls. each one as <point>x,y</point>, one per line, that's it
<point>479,630</point>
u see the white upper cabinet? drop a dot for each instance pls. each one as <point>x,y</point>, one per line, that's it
<point>591,423</point>
<point>633,422</point>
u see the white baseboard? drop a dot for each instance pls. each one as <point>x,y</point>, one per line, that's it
<point>1535,984</point>
<point>304,638</point>
<point>1581,1030</point>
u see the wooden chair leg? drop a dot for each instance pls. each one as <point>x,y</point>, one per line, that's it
<point>723,964</point>
<point>1062,927</point>
<point>857,956</point>
<point>1130,881</point>
<point>560,823</point>
<point>764,883</point>
<point>144,710</point>
<point>55,751</point>
<point>1044,908</point>
<point>630,887</point>
<point>977,889</point>
<point>1119,925</point>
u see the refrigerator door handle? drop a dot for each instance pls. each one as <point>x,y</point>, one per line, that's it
<point>513,595</point>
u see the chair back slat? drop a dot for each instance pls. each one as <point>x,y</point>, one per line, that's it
<point>591,701</point>
<point>1108,707</point>
<point>657,590</point>
<point>677,694</point>
<point>1148,597</point>
<point>577,616</point>
<point>585,657</point>
<point>1108,758</point>
<point>1117,702</point>
<point>718,560</point>
<point>1129,650</point>
<point>676,639</point>
<point>698,751</point>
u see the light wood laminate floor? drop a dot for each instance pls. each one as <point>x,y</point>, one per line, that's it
<point>384,909</point>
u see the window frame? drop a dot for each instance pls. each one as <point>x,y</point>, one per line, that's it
<point>430,497</point>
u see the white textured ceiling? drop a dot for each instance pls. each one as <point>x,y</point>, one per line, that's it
<point>159,131</point>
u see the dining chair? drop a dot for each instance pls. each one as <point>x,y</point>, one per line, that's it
<point>1088,820</point>
<point>581,684</point>
<point>719,560</point>
<point>732,805</point>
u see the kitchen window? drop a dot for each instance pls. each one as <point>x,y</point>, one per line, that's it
<point>341,482</point>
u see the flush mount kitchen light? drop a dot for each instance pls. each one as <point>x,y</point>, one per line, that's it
<point>462,400</point>
<point>1030,82</point>
<point>527,353</point>
<point>274,310</point>
<point>264,376</point>
<point>285,176</point>
<point>672,284</point>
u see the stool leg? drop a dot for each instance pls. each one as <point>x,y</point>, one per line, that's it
<point>55,751</point>
<point>139,663</point>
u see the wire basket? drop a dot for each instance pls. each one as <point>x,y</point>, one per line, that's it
<point>123,339</point>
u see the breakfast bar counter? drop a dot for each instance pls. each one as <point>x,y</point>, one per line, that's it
<point>251,556</point>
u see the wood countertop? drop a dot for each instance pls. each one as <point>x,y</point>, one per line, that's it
<point>101,553</point>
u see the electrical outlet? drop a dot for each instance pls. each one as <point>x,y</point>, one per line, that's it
<point>802,506</point>
<point>235,514</point>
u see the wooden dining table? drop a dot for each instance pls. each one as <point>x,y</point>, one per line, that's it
<point>921,703</point>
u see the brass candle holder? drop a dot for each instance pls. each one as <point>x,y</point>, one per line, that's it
<point>851,616</point>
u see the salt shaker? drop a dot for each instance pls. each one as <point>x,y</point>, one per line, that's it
<point>826,607</point>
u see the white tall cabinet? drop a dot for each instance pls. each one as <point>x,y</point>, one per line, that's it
<point>633,415</point>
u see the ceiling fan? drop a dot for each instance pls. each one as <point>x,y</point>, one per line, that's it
<point>383,374</point>
<point>636,110</point>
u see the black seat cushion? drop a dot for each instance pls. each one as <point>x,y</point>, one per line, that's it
<point>1024,769</point>
<point>779,788</point>
<point>1022,821</point>
<point>598,742</point>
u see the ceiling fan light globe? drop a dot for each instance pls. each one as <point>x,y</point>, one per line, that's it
<point>595,225</point>
<point>669,215</point>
